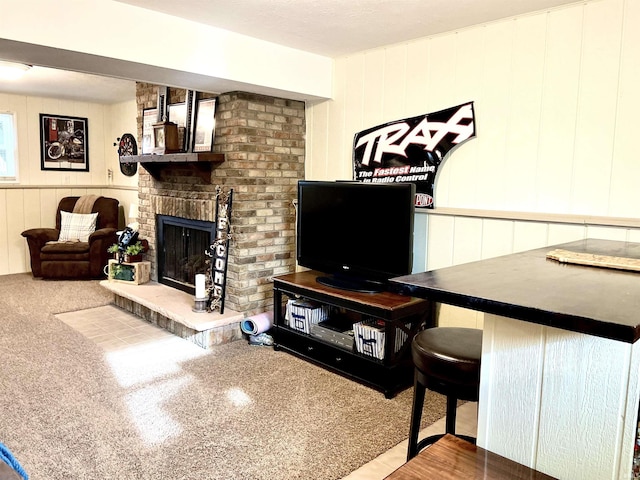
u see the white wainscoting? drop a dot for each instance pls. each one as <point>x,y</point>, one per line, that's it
<point>560,402</point>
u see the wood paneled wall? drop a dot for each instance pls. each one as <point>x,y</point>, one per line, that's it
<point>555,97</point>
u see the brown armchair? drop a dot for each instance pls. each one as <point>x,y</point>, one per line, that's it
<point>74,259</point>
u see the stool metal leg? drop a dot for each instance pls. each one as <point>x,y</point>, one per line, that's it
<point>452,405</point>
<point>416,415</point>
<point>419,391</point>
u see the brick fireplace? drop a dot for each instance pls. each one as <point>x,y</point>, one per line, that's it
<point>262,139</point>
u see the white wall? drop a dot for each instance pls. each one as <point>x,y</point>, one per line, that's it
<point>555,157</point>
<point>32,201</point>
<point>121,119</point>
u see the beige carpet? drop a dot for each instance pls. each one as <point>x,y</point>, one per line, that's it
<point>72,411</point>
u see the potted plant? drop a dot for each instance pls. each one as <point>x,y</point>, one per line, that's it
<point>113,249</point>
<point>133,253</point>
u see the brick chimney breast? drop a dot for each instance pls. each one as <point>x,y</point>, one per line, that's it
<point>262,139</point>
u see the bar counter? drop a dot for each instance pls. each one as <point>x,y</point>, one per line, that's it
<point>527,286</point>
<point>559,383</point>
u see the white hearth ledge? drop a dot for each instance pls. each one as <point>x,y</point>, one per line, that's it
<point>173,311</point>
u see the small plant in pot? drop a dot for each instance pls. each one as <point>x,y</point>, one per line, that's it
<point>133,253</point>
<point>113,249</point>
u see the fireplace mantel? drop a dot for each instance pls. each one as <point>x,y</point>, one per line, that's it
<point>199,162</point>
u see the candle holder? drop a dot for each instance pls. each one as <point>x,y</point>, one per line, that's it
<point>200,298</point>
<point>200,304</point>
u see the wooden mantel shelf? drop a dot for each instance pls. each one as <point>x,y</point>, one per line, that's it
<point>200,163</point>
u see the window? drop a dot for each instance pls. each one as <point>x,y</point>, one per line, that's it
<point>8,148</point>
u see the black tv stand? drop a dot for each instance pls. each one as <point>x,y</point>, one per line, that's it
<point>352,284</point>
<point>400,313</point>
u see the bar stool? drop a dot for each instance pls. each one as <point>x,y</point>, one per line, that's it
<point>447,361</point>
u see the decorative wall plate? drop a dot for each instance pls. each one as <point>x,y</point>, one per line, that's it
<point>128,146</point>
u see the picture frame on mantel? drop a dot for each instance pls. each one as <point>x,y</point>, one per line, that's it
<point>204,125</point>
<point>178,115</point>
<point>149,117</point>
<point>64,143</point>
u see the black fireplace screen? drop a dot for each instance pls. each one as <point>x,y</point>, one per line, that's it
<point>181,247</point>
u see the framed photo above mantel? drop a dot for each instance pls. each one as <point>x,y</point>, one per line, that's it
<point>149,117</point>
<point>64,143</point>
<point>178,115</point>
<point>205,125</point>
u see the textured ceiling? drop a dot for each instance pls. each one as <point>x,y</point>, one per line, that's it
<point>339,27</point>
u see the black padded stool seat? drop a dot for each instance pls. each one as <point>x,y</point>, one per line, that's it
<point>447,361</point>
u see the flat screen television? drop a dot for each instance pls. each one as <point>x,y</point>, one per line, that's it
<point>359,234</point>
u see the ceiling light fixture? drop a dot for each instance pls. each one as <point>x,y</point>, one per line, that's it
<point>12,70</point>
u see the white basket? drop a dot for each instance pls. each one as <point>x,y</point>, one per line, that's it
<point>302,313</point>
<point>370,338</point>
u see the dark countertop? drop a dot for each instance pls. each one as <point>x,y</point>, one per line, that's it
<point>527,286</point>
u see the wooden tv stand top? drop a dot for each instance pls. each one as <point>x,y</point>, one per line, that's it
<point>388,305</point>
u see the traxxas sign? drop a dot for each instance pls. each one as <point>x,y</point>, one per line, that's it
<point>411,150</point>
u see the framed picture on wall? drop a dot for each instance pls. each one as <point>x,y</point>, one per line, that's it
<point>64,143</point>
<point>205,125</point>
<point>149,117</point>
